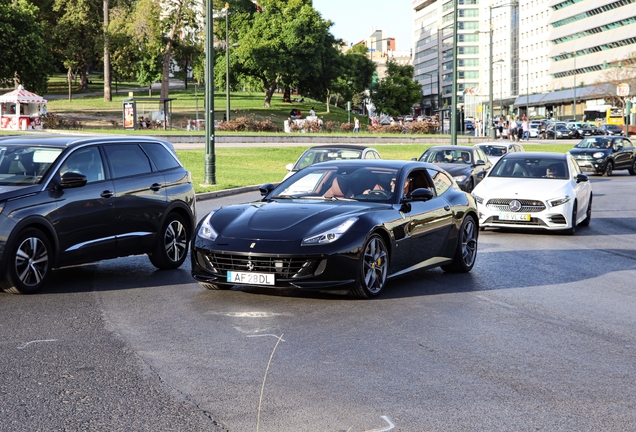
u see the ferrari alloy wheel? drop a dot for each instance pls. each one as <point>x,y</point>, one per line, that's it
<point>29,263</point>
<point>172,244</point>
<point>588,213</point>
<point>466,250</point>
<point>373,268</point>
<point>609,168</point>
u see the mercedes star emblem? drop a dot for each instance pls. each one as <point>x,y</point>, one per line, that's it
<point>515,205</point>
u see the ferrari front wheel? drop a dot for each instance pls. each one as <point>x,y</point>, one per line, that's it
<point>372,269</point>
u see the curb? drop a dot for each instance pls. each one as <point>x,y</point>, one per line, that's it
<point>225,192</point>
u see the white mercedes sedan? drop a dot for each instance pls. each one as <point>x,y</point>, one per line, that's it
<point>535,190</point>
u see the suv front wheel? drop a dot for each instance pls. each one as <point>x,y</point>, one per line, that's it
<point>28,263</point>
<point>172,244</point>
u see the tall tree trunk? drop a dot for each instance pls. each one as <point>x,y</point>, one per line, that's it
<point>328,100</point>
<point>270,88</point>
<point>83,85</point>
<point>107,94</point>
<point>167,56</point>
<point>287,95</point>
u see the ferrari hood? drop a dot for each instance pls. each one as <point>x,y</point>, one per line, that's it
<point>292,220</point>
<point>536,189</point>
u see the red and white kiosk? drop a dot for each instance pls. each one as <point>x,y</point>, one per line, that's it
<point>21,110</point>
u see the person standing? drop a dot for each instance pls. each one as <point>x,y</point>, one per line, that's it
<point>526,130</point>
<point>312,113</point>
<point>356,125</point>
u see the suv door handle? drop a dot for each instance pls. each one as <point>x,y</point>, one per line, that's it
<point>106,194</point>
<point>155,187</point>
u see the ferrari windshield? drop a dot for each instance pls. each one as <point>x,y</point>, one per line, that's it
<point>596,143</point>
<point>316,155</point>
<point>22,165</point>
<point>532,167</point>
<point>335,183</point>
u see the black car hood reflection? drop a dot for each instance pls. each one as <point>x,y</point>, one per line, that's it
<point>297,218</point>
<point>455,169</point>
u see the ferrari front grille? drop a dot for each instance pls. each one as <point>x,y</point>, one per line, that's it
<point>284,268</point>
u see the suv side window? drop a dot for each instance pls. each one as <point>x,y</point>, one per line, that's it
<point>127,160</point>
<point>85,161</point>
<point>160,156</point>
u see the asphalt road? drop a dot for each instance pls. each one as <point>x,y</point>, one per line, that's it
<point>541,335</point>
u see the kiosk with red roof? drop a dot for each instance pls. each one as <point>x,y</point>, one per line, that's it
<point>21,110</point>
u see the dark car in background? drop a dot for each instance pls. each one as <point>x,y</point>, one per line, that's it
<point>609,129</point>
<point>69,200</point>
<point>558,130</point>
<point>467,165</point>
<point>605,154</point>
<point>581,129</point>
<point>340,226</point>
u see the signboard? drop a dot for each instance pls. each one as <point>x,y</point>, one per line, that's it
<point>622,90</point>
<point>129,115</point>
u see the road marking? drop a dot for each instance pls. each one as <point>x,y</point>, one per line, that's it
<point>42,340</point>
<point>272,335</point>
<point>386,419</point>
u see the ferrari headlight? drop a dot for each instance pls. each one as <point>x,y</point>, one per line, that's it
<point>598,155</point>
<point>558,201</point>
<point>331,235</point>
<point>460,178</point>
<point>206,231</point>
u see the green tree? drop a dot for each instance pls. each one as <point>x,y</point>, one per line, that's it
<point>397,92</point>
<point>25,58</point>
<point>77,34</point>
<point>284,46</point>
<point>357,75</point>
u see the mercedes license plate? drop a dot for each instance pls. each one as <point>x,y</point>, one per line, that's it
<point>515,216</point>
<point>246,278</point>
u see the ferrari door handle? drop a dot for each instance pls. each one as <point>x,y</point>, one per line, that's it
<point>155,187</point>
<point>106,194</point>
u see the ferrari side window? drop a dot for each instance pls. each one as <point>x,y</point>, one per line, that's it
<point>441,181</point>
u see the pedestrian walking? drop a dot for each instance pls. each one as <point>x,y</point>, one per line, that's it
<point>526,130</point>
<point>356,125</point>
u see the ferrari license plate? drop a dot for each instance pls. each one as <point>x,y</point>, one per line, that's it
<point>515,216</point>
<point>247,278</point>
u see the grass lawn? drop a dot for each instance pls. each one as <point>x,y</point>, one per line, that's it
<point>237,167</point>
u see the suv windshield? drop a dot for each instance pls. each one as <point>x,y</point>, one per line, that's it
<point>23,165</point>
<point>595,143</point>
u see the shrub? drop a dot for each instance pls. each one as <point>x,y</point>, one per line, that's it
<point>247,124</point>
<point>330,126</point>
<point>53,121</point>
<point>346,127</point>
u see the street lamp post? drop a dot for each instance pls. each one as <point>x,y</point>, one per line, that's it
<point>490,27</point>
<point>527,89</point>
<point>209,159</point>
<point>227,63</point>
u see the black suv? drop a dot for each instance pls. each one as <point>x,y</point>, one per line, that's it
<point>74,200</point>
<point>605,154</point>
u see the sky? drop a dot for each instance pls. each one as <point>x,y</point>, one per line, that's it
<point>357,19</point>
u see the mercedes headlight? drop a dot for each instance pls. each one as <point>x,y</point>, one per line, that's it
<point>598,155</point>
<point>460,178</point>
<point>331,235</point>
<point>206,231</point>
<point>558,201</point>
<point>479,199</point>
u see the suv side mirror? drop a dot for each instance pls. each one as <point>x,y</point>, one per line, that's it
<point>289,166</point>
<point>72,180</point>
